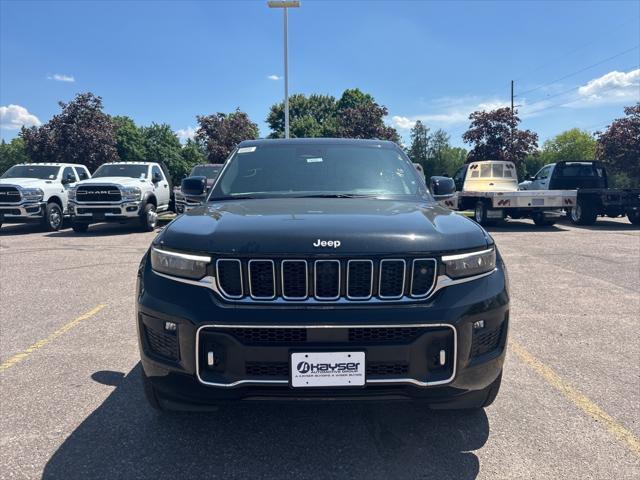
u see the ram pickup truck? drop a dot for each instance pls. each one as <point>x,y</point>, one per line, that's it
<point>490,189</point>
<point>120,192</point>
<point>321,269</point>
<point>38,192</point>
<point>595,198</point>
<point>210,173</point>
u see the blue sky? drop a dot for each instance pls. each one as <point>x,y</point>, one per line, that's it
<point>576,64</point>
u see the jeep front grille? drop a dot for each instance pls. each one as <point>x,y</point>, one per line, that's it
<point>325,280</point>
<point>9,194</point>
<point>98,193</point>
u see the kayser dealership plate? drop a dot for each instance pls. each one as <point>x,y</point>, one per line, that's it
<point>327,369</point>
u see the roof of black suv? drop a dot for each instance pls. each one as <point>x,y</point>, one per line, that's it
<point>319,141</point>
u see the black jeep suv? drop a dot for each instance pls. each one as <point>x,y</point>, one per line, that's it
<point>322,269</point>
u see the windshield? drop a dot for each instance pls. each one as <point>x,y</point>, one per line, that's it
<point>299,170</point>
<point>202,171</point>
<point>32,171</point>
<point>121,170</point>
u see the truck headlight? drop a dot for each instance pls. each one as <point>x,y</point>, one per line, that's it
<point>131,193</point>
<point>32,194</point>
<point>179,264</point>
<point>71,193</point>
<point>470,264</point>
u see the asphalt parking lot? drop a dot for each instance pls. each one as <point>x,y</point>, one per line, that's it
<point>72,403</point>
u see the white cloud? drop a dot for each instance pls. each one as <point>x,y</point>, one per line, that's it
<point>274,77</point>
<point>403,123</point>
<point>58,77</point>
<point>12,117</point>
<point>186,133</point>
<point>447,112</point>
<point>613,85</point>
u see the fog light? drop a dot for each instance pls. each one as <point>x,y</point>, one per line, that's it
<point>170,326</point>
<point>479,324</point>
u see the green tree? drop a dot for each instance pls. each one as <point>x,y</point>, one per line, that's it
<point>129,140</point>
<point>574,144</point>
<point>312,116</point>
<point>192,154</point>
<point>418,151</point>
<point>454,158</point>
<point>163,146</point>
<point>353,98</point>
<point>12,153</point>
<point>619,148</point>
<point>495,136</point>
<point>80,133</point>
<point>221,132</point>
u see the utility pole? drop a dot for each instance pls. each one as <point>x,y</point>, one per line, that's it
<point>511,97</point>
<point>285,6</point>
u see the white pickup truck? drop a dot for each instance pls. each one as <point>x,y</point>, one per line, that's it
<point>38,192</point>
<point>490,189</point>
<point>121,191</point>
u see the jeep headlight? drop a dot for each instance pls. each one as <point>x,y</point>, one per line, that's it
<point>32,194</point>
<point>470,264</point>
<point>179,264</point>
<point>131,193</point>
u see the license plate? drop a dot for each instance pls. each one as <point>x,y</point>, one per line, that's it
<point>537,201</point>
<point>327,369</point>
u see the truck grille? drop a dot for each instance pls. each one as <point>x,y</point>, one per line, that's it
<point>281,369</point>
<point>98,193</point>
<point>325,280</point>
<point>9,194</point>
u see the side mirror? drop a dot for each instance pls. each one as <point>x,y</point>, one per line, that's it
<point>442,187</point>
<point>67,180</point>
<point>156,177</point>
<point>532,179</point>
<point>194,186</point>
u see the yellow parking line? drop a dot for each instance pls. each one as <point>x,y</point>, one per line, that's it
<point>577,398</point>
<point>18,357</point>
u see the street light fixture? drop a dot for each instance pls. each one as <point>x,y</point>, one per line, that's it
<point>285,6</point>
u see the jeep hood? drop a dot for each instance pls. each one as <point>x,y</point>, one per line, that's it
<point>292,226</point>
<point>124,181</point>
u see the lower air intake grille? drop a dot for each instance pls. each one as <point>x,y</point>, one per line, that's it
<point>261,336</point>
<point>163,344</point>
<point>267,369</point>
<point>384,335</point>
<point>387,369</point>
<point>486,341</point>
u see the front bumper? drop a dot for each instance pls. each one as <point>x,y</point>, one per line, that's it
<point>251,345</point>
<point>22,212</point>
<point>104,212</point>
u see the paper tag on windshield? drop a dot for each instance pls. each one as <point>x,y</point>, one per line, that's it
<point>246,149</point>
<point>314,160</point>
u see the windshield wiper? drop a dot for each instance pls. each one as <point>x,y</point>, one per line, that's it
<point>335,195</point>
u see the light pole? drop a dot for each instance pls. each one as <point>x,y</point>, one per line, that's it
<point>285,6</point>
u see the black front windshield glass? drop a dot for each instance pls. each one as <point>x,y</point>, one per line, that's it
<point>32,171</point>
<point>115,170</point>
<point>209,172</point>
<point>323,170</point>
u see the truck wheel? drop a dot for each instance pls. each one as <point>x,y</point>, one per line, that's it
<point>634,217</point>
<point>494,388</point>
<point>79,227</point>
<point>480,213</point>
<point>583,214</point>
<point>150,393</point>
<point>540,220</point>
<point>149,218</point>
<point>53,218</point>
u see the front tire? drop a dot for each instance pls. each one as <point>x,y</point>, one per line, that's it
<point>80,227</point>
<point>150,393</point>
<point>149,218</point>
<point>541,221</point>
<point>53,218</point>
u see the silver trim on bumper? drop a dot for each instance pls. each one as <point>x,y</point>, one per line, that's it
<point>22,207</point>
<point>409,381</point>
